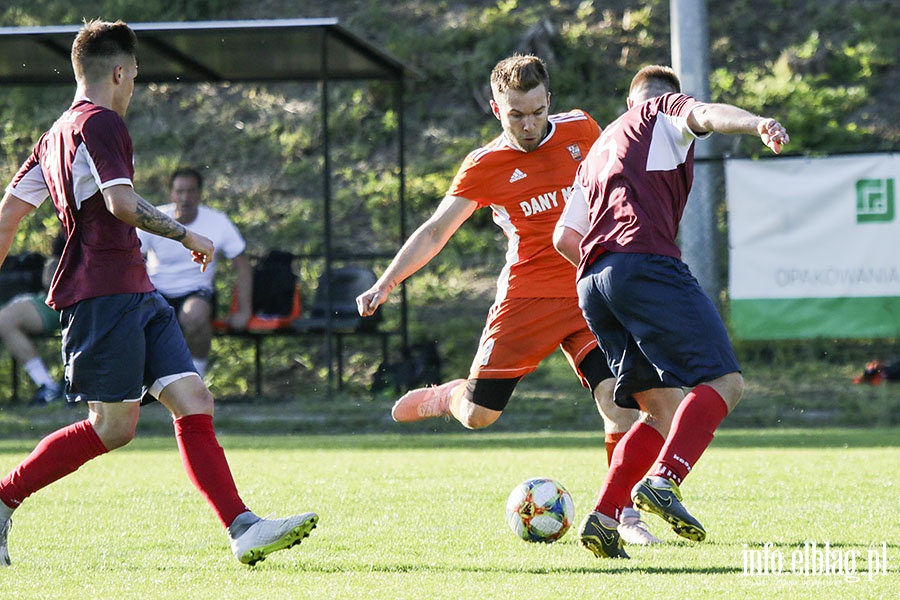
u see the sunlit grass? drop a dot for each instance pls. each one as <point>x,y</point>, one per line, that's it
<point>422,516</point>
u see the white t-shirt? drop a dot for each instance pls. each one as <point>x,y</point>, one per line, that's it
<point>169,263</point>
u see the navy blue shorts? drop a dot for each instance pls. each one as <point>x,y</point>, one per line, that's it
<point>655,324</point>
<point>116,347</point>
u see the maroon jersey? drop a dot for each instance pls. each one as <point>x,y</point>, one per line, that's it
<point>87,150</point>
<point>636,180</point>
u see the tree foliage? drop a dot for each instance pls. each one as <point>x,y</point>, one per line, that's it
<point>826,68</point>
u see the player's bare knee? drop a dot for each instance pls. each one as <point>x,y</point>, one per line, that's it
<point>660,425</point>
<point>603,395</point>
<point>114,432</point>
<point>187,396</point>
<point>659,406</point>
<point>193,327</point>
<point>477,417</point>
<point>730,387</point>
<point>618,420</point>
<point>615,418</point>
<point>483,401</point>
<point>116,439</point>
<point>201,402</point>
<point>9,323</point>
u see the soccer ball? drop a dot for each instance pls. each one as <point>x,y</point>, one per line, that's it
<point>539,510</point>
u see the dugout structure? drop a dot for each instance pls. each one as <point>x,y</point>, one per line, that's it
<point>318,51</point>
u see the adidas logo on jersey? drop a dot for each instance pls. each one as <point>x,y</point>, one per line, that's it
<point>516,176</point>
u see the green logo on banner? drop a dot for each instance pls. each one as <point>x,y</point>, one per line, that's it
<point>874,200</point>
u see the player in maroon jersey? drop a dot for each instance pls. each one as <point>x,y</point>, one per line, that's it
<point>121,342</point>
<point>659,330</point>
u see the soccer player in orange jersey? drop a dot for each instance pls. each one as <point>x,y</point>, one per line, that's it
<point>524,176</point>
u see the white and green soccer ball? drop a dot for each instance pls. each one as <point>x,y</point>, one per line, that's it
<point>540,510</point>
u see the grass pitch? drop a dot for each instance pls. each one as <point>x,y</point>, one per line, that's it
<point>422,516</point>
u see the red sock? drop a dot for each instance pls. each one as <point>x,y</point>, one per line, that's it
<point>612,439</point>
<point>206,466</point>
<point>60,453</point>
<point>693,427</point>
<point>641,445</point>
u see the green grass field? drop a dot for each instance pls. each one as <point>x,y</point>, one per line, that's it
<point>422,516</point>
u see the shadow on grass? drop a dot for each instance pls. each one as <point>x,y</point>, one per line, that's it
<point>474,441</point>
<point>611,566</point>
<point>757,438</point>
<point>363,425</point>
<point>763,439</point>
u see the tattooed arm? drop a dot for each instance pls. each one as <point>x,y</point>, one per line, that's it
<point>125,204</point>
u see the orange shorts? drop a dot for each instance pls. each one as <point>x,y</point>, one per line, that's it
<point>521,332</point>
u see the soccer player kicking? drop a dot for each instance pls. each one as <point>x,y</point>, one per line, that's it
<point>658,329</point>
<point>524,176</point>
<point>121,341</point>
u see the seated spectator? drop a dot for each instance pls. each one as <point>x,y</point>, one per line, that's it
<point>26,316</point>
<point>190,291</point>
<point>877,372</point>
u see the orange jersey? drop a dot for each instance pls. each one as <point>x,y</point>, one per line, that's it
<point>527,192</point>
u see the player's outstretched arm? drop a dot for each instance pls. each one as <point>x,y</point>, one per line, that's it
<point>726,118</point>
<point>12,210</point>
<point>128,206</point>
<point>423,245</point>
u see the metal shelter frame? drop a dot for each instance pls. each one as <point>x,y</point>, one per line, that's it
<point>280,50</point>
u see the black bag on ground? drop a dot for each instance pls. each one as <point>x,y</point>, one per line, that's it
<point>21,274</point>
<point>420,366</point>
<point>273,285</point>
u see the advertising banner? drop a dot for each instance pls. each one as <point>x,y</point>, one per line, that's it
<point>814,247</point>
